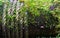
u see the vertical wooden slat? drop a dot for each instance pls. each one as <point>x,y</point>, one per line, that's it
<point>21,31</point>
<point>21,21</point>
<point>9,14</point>
<point>26,24</point>
<point>17,14</point>
<point>4,20</point>
<point>13,4</point>
<point>12,22</point>
<point>8,29</point>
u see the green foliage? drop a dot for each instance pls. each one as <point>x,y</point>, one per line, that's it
<point>34,5</point>
<point>11,17</point>
<point>1,10</point>
<point>1,7</point>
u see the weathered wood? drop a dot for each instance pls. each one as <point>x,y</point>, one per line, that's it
<point>4,20</point>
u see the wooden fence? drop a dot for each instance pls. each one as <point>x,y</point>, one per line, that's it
<point>14,23</point>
